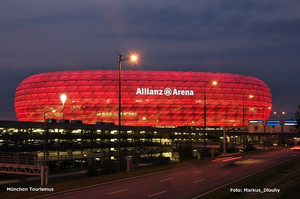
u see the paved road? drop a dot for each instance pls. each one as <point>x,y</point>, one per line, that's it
<point>183,183</point>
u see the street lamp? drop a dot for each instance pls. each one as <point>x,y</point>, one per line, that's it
<point>278,114</point>
<point>214,83</point>
<point>63,98</point>
<point>245,136</point>
<point>281,119</point>
<point>264,125</point>
<point>133,58</point>
<point>263,112</point>
<point>250,97</point>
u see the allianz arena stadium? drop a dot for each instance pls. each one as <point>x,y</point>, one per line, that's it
<point>149,98</point>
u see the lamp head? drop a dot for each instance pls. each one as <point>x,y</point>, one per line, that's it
<point>134,58</point>
<point>63,98</point>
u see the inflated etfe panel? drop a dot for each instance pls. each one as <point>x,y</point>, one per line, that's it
<point>149,98</point>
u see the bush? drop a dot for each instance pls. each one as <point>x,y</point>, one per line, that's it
<point>232,149</point>
<point>205,153</point>
<point>92,171</point>
<point>185,152</point>
<point>135,157</point>
<point>108,167</point>
<point>161,160</point>
<point>249,147</point>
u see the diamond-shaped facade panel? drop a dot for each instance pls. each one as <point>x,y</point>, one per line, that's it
<point>149,98</point>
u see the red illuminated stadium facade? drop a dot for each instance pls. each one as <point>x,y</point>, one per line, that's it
<point>149,98</point>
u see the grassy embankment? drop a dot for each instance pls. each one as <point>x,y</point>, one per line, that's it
<point>285,177</point>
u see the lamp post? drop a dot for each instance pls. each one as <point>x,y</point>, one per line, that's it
<point>214,83</point>
<point>245,136</point>
<point>250,97</point>
<point>133,58</point>
<point>44,147</point>
<point>282,124</point>
<point>63,98</point>
<point>281,119</point>
<point>264,130</point>
<point>264,125</point>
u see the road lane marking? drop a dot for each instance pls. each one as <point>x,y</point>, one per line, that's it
<point>157,194</point>
<point>197,171</point>
<point>166,179</point>
<point>117,191</point>
<point>198,180</point>
<point>226,172</point>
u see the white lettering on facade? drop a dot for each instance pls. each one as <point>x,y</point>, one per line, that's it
<point>166,91</point>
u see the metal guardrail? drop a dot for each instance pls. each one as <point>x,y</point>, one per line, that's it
<point>23,164</point>
<point>19,158</point>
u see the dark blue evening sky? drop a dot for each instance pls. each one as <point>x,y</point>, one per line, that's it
<point>249,37</point>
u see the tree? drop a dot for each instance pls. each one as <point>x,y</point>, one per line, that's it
<point>185,152</point>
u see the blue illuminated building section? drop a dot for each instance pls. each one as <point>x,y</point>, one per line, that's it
<point>290,123</point>
<point>255,121</point>
<point>273,123</point>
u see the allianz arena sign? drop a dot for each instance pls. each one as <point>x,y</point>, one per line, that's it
<point>166,91</point>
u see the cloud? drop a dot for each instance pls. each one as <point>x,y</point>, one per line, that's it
<point>257,38</point>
